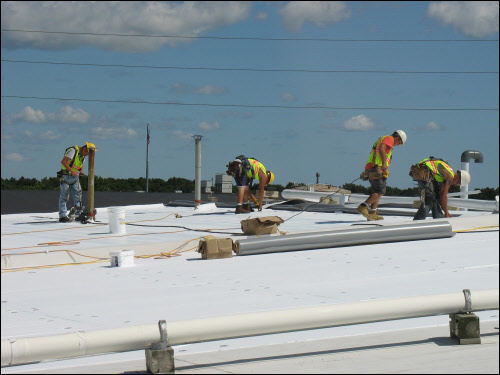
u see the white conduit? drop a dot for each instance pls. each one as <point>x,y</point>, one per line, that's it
<point>29,350</point>
<point>344,237</point>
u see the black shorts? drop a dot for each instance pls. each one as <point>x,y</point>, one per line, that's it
<point>378,185</point>
<point>243,180</point>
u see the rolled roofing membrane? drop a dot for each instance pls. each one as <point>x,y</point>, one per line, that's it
<point>344,237</point>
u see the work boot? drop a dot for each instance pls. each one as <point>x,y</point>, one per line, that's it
<point>363,210</point>
<point>373,215</point>
<point>241,210</point>
<point>247,206</point>
<point>64,219</point>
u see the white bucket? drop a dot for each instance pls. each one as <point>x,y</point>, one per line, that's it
<point>123,258</point>
<point>116,218</point>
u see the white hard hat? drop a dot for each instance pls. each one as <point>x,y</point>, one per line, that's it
<point>464,178</point>
<point>402,135</point>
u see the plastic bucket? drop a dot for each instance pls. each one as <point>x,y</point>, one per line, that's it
<point>116,218</point>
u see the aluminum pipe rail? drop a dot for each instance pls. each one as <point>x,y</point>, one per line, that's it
<point>29,350</point>
<point>343,237</point>
<point>315,196</point>
<point>473,204</point>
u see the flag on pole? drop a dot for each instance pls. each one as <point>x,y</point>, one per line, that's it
<point>148,139</point>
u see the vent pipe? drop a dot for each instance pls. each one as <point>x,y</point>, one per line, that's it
<point>466,156</point>
<point>197,169</point>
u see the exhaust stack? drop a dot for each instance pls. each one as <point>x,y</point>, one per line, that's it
<point>466,156</point>
<point>197,169</point>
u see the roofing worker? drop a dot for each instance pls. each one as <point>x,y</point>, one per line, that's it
<point>377,171</point>
<point>434,177</point>
<point>244,170</point>
<point>71,169</point>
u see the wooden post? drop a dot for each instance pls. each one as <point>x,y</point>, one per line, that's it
<point>90,189</point>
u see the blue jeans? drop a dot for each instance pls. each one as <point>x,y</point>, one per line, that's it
<point>69,183</point>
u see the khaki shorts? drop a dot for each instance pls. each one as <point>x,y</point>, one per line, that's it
<point>378,185</point>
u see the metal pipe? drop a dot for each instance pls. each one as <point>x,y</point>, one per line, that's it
<point>35,349</point>
<point>465,158</point>
<point>90,187</point>
<point>343,237</point>
<point>475,204</point>
<point>470,154</point>
<point>197,169</point>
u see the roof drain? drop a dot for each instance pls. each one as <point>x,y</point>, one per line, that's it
<point>344,237</point>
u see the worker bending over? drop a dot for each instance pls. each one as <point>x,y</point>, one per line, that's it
<point>434,177</point>
<point>244,170</point>
<point>377,172</point>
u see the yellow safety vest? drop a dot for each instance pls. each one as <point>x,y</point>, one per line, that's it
<point>77,161</point>
<point>374,159</point>
<point>433,165</point>
<point>255,167</point>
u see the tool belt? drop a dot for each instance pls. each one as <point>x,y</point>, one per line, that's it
<point>420,173</point>
<point>62,172</point>
<point>364,175</point>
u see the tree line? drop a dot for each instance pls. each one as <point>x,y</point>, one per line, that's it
<point>158,185</point>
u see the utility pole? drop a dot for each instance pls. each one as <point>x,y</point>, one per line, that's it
<point>197,170</point>
<point>147,158</point>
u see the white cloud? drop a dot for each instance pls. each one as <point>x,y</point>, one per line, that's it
<point>208,126</point>
<point>50,135</point>
<point>261,16</point>
<point>322,13</point>
<point>69,114</point>
<point>287,97</point>
<point>183,89</point>
<point>188,18</point>
<point>113,133</point>
<point>211,90</point>
<point>15,157</point>
<point>432,126</point>
<point>66,114</point>
<point>29,114</point>
<point>473,18</point>
<point>359,123</point>
<point>183,135</point>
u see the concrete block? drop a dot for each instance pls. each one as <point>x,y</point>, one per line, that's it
<point>160,361</point>
<point>465,328</point>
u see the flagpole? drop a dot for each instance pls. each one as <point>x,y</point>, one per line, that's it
<point>147,159</point>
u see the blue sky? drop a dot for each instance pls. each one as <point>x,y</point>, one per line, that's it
<point>295,119</point>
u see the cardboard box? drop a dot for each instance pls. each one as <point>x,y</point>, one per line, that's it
<point>261,225</point>
<point>215,248</point>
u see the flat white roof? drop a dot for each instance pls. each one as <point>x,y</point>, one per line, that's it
<point>42,299</point>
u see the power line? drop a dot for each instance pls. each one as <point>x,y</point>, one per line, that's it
<point>249,105</point>
<point>250,38</point>
<point>247,69</point>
